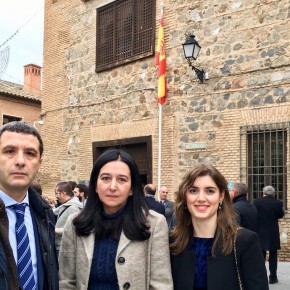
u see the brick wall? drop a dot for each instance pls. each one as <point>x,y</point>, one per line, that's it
<point>28,111</point>
<point>285,238</point>
<point>55,94</point>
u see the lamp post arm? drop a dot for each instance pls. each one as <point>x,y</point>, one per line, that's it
<point>199,73</point>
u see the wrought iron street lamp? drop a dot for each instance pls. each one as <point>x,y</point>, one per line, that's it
<point>191,50</point>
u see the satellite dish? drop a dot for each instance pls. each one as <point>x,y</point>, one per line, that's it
<point>4,58</point>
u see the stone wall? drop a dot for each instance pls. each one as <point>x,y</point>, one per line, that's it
<point>245,50</point>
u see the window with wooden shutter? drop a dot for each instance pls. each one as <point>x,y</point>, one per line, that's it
<point>125,32</point>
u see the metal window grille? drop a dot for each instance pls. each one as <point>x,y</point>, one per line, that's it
<point>125,32</point>
<point>265,158</point>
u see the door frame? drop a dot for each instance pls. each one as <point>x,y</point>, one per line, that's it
<point>123,142</point>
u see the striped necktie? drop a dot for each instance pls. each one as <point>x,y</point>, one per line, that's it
<point>24,262</point>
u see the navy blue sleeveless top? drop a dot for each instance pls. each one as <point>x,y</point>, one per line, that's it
<point>202,249</point>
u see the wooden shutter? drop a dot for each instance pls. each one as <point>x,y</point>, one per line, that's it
<point>105,36</point>
<point>125,32</point>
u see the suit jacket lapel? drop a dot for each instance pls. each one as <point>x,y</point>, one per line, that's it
<point>184,266</point>
<point>213,268</point>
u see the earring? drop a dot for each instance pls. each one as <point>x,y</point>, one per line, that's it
<point>185,207</point>
<point>220,205</point>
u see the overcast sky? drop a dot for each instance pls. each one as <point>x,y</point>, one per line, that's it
<point>26,46</point>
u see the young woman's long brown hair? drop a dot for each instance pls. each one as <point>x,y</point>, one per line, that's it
<point>226,226</point>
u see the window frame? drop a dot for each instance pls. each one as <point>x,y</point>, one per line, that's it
<point>262,161</point>
<point>15,118</point>
<point>135,56</point>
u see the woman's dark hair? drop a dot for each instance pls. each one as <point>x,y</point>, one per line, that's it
<point>226,220</point>
<point>134,220</point>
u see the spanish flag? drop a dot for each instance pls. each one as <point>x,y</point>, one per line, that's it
<point>161,62</point>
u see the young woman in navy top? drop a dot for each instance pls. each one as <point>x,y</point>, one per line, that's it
<point>202,241</point>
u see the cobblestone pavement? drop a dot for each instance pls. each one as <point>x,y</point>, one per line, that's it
<point>283,274</point>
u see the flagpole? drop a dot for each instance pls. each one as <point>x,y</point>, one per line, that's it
<point>159,149</point>
<point>160,131</point>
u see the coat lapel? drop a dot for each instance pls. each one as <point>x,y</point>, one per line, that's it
<point>88,245</point>
<point>222,271</point>
<point>183,265</point>
<point>123,243</point>
<point>215,268</point>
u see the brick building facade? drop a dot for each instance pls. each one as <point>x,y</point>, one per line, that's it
<point>19,102</point>
<point>235,119</point>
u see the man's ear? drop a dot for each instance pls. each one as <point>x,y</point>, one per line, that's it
<point>39,167</point>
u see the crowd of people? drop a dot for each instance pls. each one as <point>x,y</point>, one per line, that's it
<point>116,233</point>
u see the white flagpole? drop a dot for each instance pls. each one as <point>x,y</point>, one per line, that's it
<point>159,149</point>
<point>160,131</point>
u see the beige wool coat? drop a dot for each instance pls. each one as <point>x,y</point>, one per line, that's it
<point>140,265</point>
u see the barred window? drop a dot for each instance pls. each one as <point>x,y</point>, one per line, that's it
<point>264,158</point>
<point>125,32</point>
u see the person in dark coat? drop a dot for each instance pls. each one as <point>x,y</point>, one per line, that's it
<point>208,249</point>
<point>270,210</point>
<point>247,214</point>
<point>27,222</point>
<point>169,205</point>
<point>149,191</point>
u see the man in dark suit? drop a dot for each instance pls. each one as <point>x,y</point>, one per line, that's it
<point>27,251</point>
<point>270,210</point>
<point>247,214</point>
<point>149,191</point>
<point>169,205</point>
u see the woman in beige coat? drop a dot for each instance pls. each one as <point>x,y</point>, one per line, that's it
<point>115,242</point>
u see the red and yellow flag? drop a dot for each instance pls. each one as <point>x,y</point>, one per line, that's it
<point>161,62</point>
